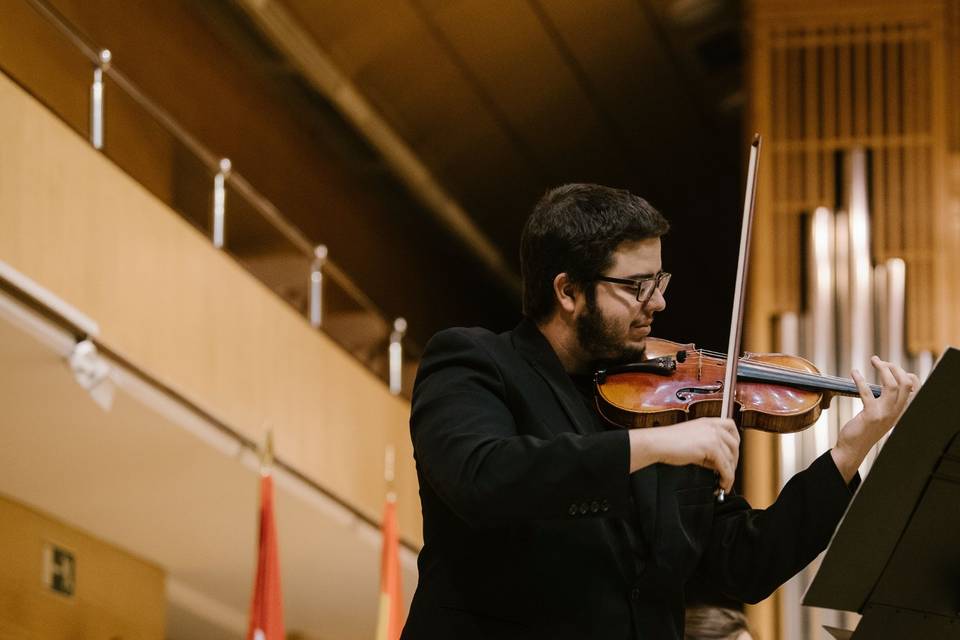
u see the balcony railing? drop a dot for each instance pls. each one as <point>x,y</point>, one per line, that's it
<point>82,84</point>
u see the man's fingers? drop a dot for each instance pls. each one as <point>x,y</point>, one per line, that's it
<point>904,386</point>
<point>729,426</point>
<point>726,476</point>
<point>721,464</point>
<point>731,439</point>
<point>866,395</point>
<point>726,463</point>
<point>716,446</point>
<point>887,379</point>
<point>914,383</point>
<point>731,434</point>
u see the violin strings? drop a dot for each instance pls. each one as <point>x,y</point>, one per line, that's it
<point>778,367</point>
<point>802,374</point>
<point>781,368</point>
<point>775,366</point>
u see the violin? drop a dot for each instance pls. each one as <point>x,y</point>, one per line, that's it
<point>774,392</point>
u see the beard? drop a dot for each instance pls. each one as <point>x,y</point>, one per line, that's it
<point>603,341</point>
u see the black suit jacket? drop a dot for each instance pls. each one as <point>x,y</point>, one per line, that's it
<point>534,527</point>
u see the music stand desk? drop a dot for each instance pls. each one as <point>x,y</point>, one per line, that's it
<point>895,556</point>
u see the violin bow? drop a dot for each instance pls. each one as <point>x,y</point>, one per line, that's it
<point>736,319</point>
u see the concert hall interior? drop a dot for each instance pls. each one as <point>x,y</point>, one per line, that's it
<point>229,228</point>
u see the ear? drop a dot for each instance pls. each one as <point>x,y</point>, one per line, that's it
<point>566,293</point>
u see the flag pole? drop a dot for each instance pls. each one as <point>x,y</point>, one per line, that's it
<point>390,615</point>
<point>266,606</point>
<point>266,455</point>
<point>389,472</point>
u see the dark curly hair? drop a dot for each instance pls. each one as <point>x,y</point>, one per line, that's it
<point>574,229</point>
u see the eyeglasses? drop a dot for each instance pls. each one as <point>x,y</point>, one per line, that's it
<point>644,287</point>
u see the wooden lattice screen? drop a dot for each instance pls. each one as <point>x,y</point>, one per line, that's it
<point>830,76</point>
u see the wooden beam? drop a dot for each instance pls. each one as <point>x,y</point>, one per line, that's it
<point>283,31</point>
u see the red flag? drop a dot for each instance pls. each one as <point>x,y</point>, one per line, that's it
<point>389,621</point>
<point>266,610</point>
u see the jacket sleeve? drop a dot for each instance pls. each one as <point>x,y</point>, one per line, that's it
<point>469,449</point>
<point>752,552</point>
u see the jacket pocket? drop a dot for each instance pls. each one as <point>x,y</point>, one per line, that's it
<point>691,528</point>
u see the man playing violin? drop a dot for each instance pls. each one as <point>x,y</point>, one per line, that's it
<point>540,520</point>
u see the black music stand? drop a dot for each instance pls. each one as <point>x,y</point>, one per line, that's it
<point>895,557</point>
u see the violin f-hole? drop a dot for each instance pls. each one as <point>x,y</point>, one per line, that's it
<point>686,393</point>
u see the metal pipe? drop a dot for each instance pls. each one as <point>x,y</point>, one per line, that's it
<point>822,296</point>
<point>861,315</point>
<point>923,364</point>
<point>881,315</point>
<point>896,311</point>
<point>316,286</point>
<point>396,355</point>
<point>861,287</point>
<point>891,313</point>
<point>220,202</point>
<point>96,99</point>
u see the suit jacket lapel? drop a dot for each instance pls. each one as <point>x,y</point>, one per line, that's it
<point>535,348</point>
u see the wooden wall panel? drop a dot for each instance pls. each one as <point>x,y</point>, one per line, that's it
<point>191,316</point>
<point>951,221</point>
<point>117,595</point>
<point>952,230</point>
<point>825,77</point>
<point>870,74</point>
<point>953,71</point>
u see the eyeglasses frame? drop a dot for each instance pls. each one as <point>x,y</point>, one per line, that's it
<point>658,278</point>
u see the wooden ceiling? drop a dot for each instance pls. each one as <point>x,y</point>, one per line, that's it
<point>503,99</point>
<point>500,100</point>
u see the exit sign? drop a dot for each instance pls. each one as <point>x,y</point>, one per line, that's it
<point>59,569</point>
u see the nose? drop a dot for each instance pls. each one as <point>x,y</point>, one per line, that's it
<point>657,302</point>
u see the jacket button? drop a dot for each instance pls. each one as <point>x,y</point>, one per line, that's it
<point>584,508</point>
<point>594,506</point>
<point>572,510</point>
<point>605,506</point>
<point>635,594</point>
